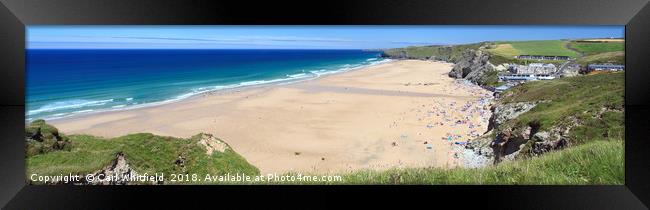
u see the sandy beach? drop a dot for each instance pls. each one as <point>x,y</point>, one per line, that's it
<point>399,114</point>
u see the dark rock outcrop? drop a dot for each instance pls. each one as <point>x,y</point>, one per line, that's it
<point>545,141</point>
<point>508,142</point>
<point>504,112</point>
<point>481,144</point>
<point>399,55</point>
<point>41,137</point>
<point>552,115</point>
<point>473,65</point>
<point>118,170</point>
<point>570,70</point>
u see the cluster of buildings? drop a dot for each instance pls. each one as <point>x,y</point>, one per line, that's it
<point>517,74</point>
<point>605,67</point>
<point>533,71</point>
<point>534,68</point>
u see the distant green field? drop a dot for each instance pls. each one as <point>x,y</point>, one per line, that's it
<point>544,47</point>
<point>617,57</point>
<point>505,51</point>
<point>502,52</point>
<point>598,47</point>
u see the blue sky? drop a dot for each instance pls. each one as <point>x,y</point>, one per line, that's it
<point>294,37</point>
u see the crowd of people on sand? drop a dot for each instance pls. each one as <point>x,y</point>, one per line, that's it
<point>462,121</point>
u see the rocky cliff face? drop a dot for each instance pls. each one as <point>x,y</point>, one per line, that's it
<point>41,138</point>
<point>115,173</point>
<point>212,144</point>
<point>473,66</point>
<point>509,142</point>
<point>505,112</point>
<point>118,168</point>
<point>570,71</point>
<point>398,55</point>
<point>471,61</point>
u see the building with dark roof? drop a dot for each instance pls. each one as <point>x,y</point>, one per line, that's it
<point>605,67</point>
<point>533,68</point>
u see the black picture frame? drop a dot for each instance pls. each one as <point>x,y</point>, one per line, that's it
<point>634,14</point>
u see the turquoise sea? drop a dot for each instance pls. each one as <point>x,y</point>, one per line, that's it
<point>62,83</point>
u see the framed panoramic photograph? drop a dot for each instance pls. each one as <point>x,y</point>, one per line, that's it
<point>325,104</point>
<point>237,104</point>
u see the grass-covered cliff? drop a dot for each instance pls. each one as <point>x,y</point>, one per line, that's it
<point>144,152</point>
<point>596,101</point>
<point>438,52</point>
<point>542,116</point>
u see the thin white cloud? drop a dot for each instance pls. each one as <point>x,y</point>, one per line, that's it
<point>295,39</point>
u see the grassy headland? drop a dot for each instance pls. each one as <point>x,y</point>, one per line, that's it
<point>597,101</point>
<point>144,152</point>
<point>446,53</point>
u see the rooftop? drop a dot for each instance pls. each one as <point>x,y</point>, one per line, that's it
<point>606,65</point>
